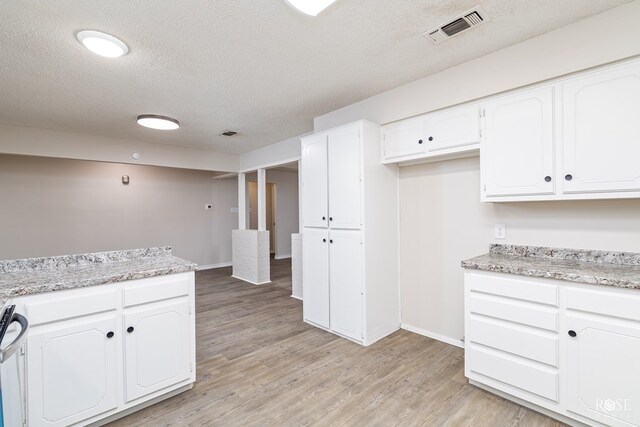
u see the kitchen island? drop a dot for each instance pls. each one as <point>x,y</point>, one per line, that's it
<point>110,333</point>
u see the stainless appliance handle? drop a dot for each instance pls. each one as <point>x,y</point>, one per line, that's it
<point>17,343</point>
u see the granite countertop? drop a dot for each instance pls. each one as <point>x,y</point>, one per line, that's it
<point>619,269</point>
<point>38,275</point>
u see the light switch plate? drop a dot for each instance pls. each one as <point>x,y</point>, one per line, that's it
<point>500,231</point>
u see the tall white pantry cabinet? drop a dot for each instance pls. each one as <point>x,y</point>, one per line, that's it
<point>350,234</point>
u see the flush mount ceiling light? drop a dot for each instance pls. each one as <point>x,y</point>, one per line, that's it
<point>154,121</point>
<point>102,44</point>
<point>310,7</point>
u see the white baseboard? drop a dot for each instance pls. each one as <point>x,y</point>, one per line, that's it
<point>296,297</point>
<point>435,336</point>
<point>285,256</point>
<point>212,266</point>
<point>143,405</point>
<point>250,281</point>
<point>532,406</point>
<point>384,334</point>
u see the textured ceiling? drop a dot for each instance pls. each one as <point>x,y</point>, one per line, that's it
<point>254,66</point>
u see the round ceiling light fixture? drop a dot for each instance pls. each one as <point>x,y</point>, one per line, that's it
<point>102,44</point>
<point>310,7</point>
<point>154,121</point>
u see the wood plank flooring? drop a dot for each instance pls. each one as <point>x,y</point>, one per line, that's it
<point>258,364</point>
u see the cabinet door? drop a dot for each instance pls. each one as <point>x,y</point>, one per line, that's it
<point>603,371</point>
<point>453,128</point>
<point>72,370</point>
<point>156,347</point>
<point>315,276</point>
<point>517,148</point>
<point>601,132</point>
<point>345,279</point>
<point>404,139</point>
<point>345,184</point>
<point>314,181</point>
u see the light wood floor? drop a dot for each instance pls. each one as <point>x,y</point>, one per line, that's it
<point>258,364</point>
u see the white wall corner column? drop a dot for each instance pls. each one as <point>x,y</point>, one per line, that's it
<point>242,201</point>
<point>262,200</point>
<point>300,195</point>
<point>250,252</point>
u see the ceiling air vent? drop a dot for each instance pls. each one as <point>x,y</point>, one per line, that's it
<point>467,20</point>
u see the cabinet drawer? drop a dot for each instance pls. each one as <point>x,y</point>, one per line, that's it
<point>538,346</point>
<point>514,311</point>
<point>512,286</point>
<point>510,373</point>
<point>602,302</point>
<point>156,289</point>
<point>52,308</point>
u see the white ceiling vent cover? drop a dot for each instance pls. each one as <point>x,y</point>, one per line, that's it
<point>463,22</point>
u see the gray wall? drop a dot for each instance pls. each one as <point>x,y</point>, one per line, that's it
<point>54,206</point>
<point>443,222</point>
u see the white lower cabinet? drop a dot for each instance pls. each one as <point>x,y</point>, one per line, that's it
<point>569,350</point>
<point>156,348</point>
<point>315,276</point>
<point>333,281</point>
<point>97,351</point>
<point>603,376</point>
<point>345,283</point>
<point>72,370</point>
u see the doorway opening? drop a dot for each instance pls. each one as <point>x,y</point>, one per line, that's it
<point>282,207</point>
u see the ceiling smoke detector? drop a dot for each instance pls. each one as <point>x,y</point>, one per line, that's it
<point>463,22</point>
<point>228,133</point>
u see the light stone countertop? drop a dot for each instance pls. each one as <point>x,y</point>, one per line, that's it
<point>618,269</point>
<point>48,274</point>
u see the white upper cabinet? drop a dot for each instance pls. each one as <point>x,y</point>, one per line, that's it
<point>575,138</point>
<point>404,139</point>
<point>453,128</point>
<point>601,132</point>
<point>314,181</point>
<point>517,148</point>
<point>332,179</point>
<point>345,178</point>
<point>443,133</point>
